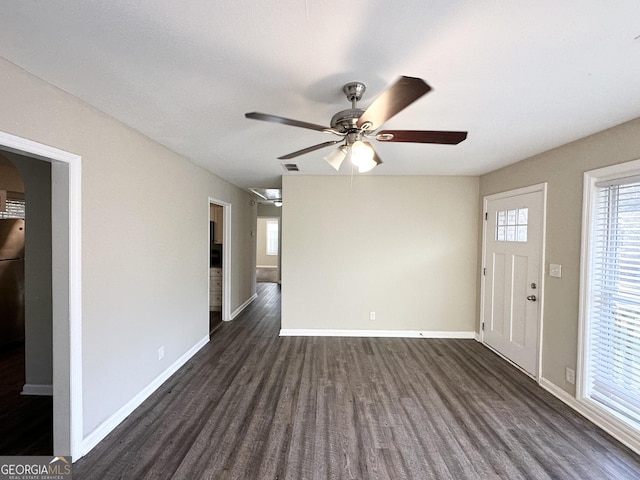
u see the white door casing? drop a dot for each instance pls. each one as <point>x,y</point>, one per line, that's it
<point>513,255</point>
<point>66,183</point>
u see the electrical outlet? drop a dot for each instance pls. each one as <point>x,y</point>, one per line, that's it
<point>570,375</point>
<point>372,315</point>
<point>161,352</point>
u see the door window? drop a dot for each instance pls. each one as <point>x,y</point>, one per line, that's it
<point>512,225</point>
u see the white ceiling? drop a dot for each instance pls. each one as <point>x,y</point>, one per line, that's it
<point>521,77</point>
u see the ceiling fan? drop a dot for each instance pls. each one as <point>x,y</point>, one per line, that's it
<point>356,125</point>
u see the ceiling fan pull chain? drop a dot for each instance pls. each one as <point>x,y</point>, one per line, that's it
<point>351,180</point>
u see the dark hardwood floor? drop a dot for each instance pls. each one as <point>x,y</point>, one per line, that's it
<point>252,405</point>
<point>26,422</point>
<point>215,321</point>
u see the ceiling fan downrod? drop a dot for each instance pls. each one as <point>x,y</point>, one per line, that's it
<point>354,92</point>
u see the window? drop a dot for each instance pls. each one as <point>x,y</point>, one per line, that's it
<point>272,237</point>
<point>511,225</point>
<point>610,348</point>
<point>11,205</point>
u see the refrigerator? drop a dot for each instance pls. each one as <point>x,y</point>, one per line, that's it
<point>11,281</point>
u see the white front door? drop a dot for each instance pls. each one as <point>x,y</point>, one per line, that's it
<point>513,239</point>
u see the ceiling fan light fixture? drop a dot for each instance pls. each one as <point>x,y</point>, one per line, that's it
<point>362,156</point>
<point>336,157</point>
<point>355,124</point>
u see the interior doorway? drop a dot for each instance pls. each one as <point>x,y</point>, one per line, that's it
<point>268,250</point>
<point>25,306</point>
<point>513,256</point>
<point>216,244</point>
<point>66,289</point>
<point>219,263</point>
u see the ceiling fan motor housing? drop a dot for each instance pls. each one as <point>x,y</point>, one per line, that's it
<point>345,120</point>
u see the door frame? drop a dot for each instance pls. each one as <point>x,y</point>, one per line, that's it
<point>226,256</point>
<point>66,220</point>
<point>539,187</point>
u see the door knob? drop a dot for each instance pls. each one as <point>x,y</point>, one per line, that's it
<point>532,298</point>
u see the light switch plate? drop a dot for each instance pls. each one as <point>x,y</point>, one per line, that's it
<point>555,270</point>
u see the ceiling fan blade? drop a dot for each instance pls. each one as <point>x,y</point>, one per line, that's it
<point>309,149</point>
<point>285,121</point>
<point>394,99</point>
<point>421,136</point>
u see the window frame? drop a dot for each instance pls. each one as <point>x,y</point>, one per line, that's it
<point>269,242</point>
<point>610,420</point>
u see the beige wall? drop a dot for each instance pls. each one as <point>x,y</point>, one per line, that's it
<point>268,210</point>
<point>404,247</point>
<point>144,268</point>
<point>563,169</point>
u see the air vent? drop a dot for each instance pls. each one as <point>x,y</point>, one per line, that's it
<point>290,167</point>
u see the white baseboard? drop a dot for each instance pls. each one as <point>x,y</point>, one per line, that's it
<point>618,430</point>
<point>239,310</point>
<point>114,420</point>
<point>35,389</point>
<point>319,332</point>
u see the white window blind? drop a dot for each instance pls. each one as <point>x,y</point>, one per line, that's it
<point>13,209</point>
<point>272,237</point>
<point>613,372</point>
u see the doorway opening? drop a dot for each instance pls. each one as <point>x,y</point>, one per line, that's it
<point>25,311</point>
<point>268,250</point>
<point>66,289</point>
<point>219,263</point>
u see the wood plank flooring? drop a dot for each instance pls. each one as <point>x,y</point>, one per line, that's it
<point>252,405</point>
<point>26,421</point>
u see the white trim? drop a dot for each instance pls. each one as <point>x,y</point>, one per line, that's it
<point>585,247</point>
<point>267,267</point>
<point>114,420</point>
<point>539,187</point>
<point>226,256</point>
<point>67,294</point>
<point>619,430</point>
<point>321,332</point>
<point>239,310</point>
<point>37,390</point>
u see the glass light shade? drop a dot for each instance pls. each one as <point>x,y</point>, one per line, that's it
<point>363,156</point>
<point>361,153</point>
<point>336,157</point>
<point>277,203</point>
<point>366,165</point>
